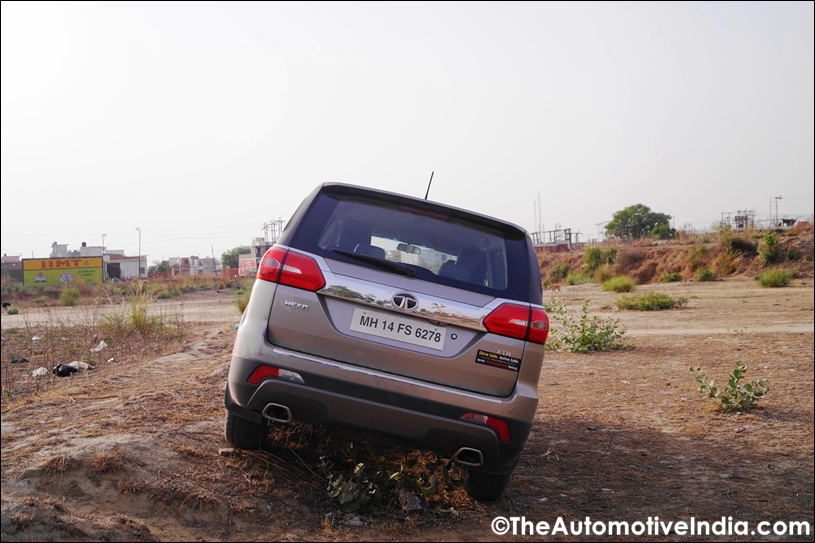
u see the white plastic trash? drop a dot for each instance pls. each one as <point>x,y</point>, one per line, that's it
<point>99,347</point>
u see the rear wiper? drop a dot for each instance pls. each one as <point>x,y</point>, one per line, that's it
<point>386,264</point>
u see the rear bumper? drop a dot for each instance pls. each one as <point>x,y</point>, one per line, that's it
<point>384,404</point>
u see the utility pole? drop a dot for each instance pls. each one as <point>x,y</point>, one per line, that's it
<point>104,268</point>
<point>139,229</point>
<point>776,208</point>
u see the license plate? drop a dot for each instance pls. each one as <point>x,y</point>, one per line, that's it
<point>388,325</point>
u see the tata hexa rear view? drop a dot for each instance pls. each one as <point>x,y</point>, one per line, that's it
<point>400,316</point>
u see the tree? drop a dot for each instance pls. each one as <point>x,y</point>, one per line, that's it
<point>230,258</point>
<point>638,221</point>
<point>159,266</point>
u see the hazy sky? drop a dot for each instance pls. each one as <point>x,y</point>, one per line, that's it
<point>199,122</point>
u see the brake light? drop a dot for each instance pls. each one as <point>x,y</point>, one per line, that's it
<point>271,264</point>
<point>519,322</point>
<point>279,265</point>
<point>499,425</point>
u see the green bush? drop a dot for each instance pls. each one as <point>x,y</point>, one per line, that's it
<point>12,311</point>
<point>769,250</point>
<point>594,257</point>
<point>584,334</point>
<point>735,395</point>
<point>670,277</point>
<point>170,292</point>
<point>603,274</point>
<point>705,274</point>
<point>619,284</point>
<point>69,296</point>
<point>776,278</point>
<point>697,256</point>
<point>651,301</point>
<point>558,272</point>
<point>578,278</point>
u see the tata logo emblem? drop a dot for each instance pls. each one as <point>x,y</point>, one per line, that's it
<point>405,302</point>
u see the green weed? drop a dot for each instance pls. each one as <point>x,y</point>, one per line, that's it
<point>584,334</point>
<point>619,284</point>
<point>651,301</point>
<point>734,395</point>
<point>776,278</point>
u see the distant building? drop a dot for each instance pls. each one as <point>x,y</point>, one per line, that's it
<point>192,265</point>
<point>89,264</point>
<point>13,268</point>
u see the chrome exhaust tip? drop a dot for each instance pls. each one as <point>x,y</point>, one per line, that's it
<point>277,413</point>
<point>469,457</point>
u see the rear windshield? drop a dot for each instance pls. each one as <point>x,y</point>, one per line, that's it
<point>429,245</point>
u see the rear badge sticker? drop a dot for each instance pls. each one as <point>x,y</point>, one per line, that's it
<point>498,360</point>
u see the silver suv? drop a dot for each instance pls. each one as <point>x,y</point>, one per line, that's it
<point>400,316</point>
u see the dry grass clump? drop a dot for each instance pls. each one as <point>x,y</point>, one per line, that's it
<point>21,519</point>
<point>128,486</point>
<point>107,462</point>
<point>57,464</point>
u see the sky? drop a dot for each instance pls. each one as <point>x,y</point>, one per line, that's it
<point>181,128</point>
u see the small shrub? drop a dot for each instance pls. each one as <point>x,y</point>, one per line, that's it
<point>578,278</point>
<point>670,277</point>
<point>584,334</point>
<point>40,300</point>
<point>769,250</point>
<point>697,256</point>
<point>735,395</point>
<point>603,274</point>
<point>12,311</point>
<point>651,301</point>
<point>776,278</point>
<point>69,296</point>
<point>619,284</point>
<point>171,292</point>
<point>558,272</point>
<point>594,257</point>
<point>242,299</point>
<point>705,274</point>
<point>743,246</point>
<point>793,254</point>
<point>139,319</point>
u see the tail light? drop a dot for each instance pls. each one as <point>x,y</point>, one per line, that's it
<point>282,266</point>
<point>499,425</point>
<point>519,322</point>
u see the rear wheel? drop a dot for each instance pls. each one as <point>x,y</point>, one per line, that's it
<point>486,487</point>
<point>243,433</point>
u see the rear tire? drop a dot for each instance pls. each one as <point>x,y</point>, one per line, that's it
<point>485,487</point>
<point>243,433</point>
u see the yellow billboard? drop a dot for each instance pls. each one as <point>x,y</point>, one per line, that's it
<point>62,271</point>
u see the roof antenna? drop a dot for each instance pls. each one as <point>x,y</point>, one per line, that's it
<point>428,185</point>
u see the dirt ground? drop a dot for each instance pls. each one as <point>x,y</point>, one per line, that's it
<point>134,450</point>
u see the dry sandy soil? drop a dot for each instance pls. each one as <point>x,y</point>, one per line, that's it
<point>134,450</point>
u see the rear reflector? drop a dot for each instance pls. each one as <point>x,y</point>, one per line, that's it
<point>519,322</point>
<point>266,372</point>
<point>281,266</point>
<point>499,425</point>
